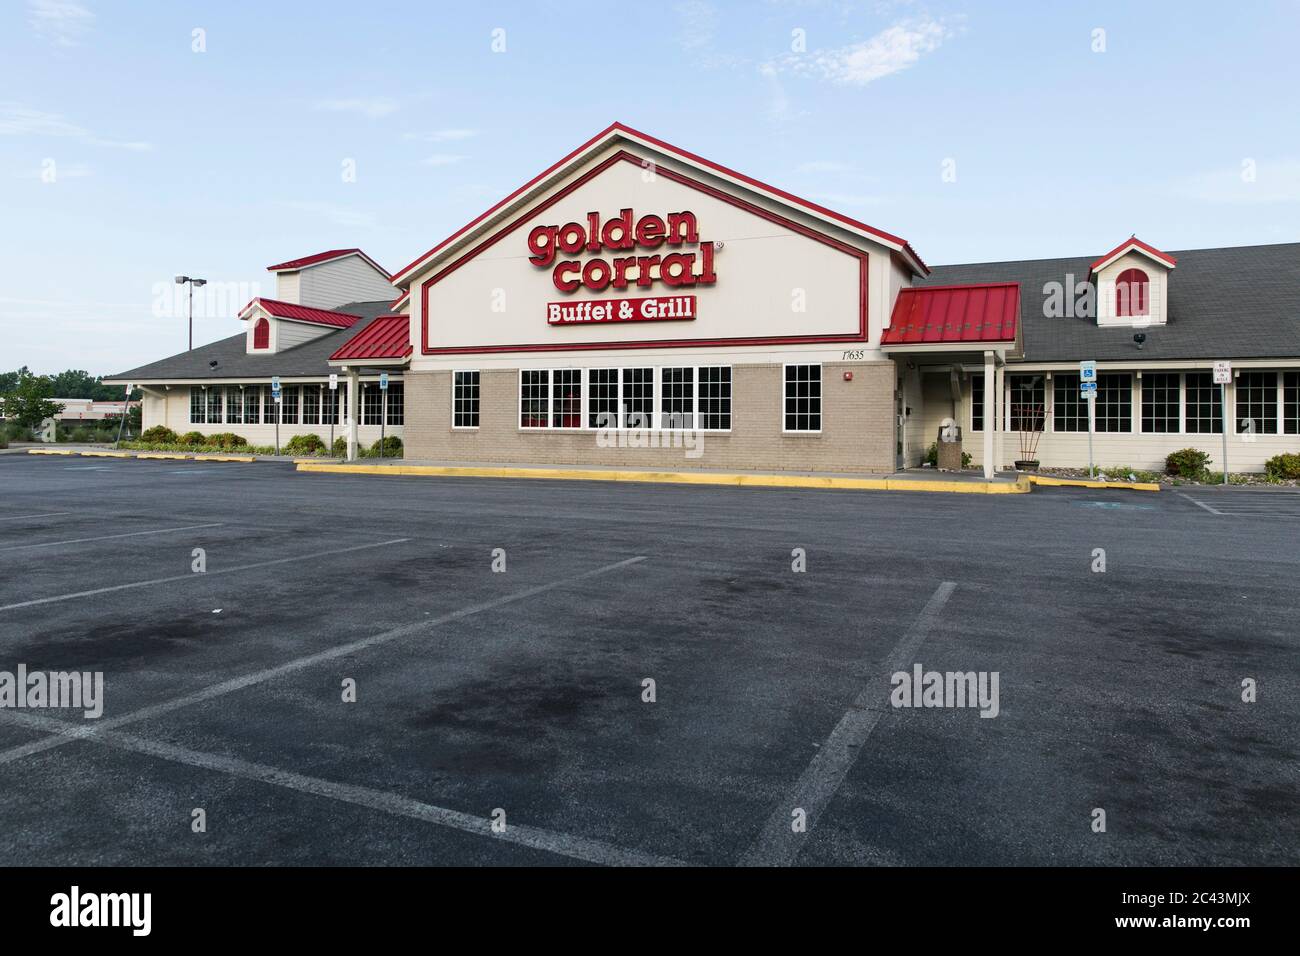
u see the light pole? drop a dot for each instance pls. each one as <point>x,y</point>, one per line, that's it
<point>186,280</point>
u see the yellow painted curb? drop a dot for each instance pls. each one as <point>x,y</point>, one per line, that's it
<point>676,477</point>
<point>1086,483</point>
<point>49,451</point>
<point>105,454</point>
<point>170,456</point>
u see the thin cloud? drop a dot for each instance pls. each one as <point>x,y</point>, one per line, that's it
<point>1268,181</point>
<point>890,51</point>
<point>19,120</point>
<point>823,166</point>
<point>698,23</point>
<point>335,213</point>
<point>442,136</point>
<point>372,107</point>
<point>442,159</point>
<point>60,22</point>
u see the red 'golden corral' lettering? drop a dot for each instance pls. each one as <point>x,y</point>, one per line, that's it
<point>623,233</point>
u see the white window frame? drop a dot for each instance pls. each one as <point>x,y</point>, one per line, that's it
<point>478,399</point>
<point>821,398</point>
<point>656,396</point>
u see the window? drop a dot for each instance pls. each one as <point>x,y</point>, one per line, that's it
<point>252,404</point>
<point>396,410</point>
<point>566,398</point>
<point>372,404</point>
<point>1291,402</point>
<point>977,403</point>
<point>1204,408</point>
<point>289,405</point>
<point>198,406</point>
<point>677,398</point>
<point>1069,407</point>
<point>311,404</point>
<point>534,389</point>
<point>715,398</point>
<point>1257,403</point>
<point>803,398</point>
<point>1161,400</point>
<point>1028,402</point>
<point>234,406</point>
<point>1132,293</point>
<point>270,409</point>
<point>329,409</point>
<point>1114,402</point>
<point>602,398</point>
<point>464,399</point>
<point>262,334</point>
<point>214,405</point>
<point>638,397</point>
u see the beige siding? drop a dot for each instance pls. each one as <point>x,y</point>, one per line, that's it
<point>288,287</point>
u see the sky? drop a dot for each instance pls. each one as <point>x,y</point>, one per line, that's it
<point>141,140</point>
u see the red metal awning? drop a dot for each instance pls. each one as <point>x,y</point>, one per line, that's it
<point>955,315</point>
<point>387,337</point>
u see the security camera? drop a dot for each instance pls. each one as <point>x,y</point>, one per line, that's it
<point>212,364</point>
<point>1139,338</point>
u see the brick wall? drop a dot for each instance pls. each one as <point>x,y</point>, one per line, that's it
<point>857,426</point>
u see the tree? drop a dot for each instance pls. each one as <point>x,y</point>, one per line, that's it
<point>28,402</point>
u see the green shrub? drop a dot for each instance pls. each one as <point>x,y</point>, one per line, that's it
<point>227,440</point>
<point>192,438</point>
<point>159,434</point>
<point>1283,467</point>
<point>1187,463</point>
<point>340,448</point>
<point>4,440</point>
<point>304,445</point>
<point>82,434</point>
<point>392,447</point>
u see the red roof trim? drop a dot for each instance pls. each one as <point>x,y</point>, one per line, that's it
<point>301,313</point>
<point>667,147</point>
<point>397,303</point>
<point>955,314</point>
<point>387,337</point>
<point>1135,243</point>
<point>293,265</point>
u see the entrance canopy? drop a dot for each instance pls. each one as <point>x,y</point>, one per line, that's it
<point>954,318</point>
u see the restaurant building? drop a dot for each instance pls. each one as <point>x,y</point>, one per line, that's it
<point>638,305</point>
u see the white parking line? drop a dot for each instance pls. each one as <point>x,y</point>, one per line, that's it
<point>778,844</point>
<point>289,667</point>
<point>47,514</point>
<point>1200,503</point>
<point>192,576</point>
<point>564,844</point>
<point>109,537</point>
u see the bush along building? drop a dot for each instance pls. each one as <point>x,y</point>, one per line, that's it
<point>638,304</point>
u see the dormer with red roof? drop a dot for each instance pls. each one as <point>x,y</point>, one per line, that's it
<point>1132,282</point>
<point>328,279</point>
<point>274,326</point>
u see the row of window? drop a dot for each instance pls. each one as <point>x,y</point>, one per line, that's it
<point>1172,402</point>
<point>679,397</point>
<point>299,405</point>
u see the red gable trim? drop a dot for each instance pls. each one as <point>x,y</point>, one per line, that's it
<point>667,147</point>
<point>944,314</point>
<point>293,265</point>
<point>401,300</point>
<point>301,313</point>
<point>859,336</point>
<point>387,337</point>
<point>1133,242</point>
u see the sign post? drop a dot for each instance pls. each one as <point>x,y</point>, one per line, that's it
<point>1222,376</point>
<point>1088,387</point>
<point>275,394</point>
<point>334,406</point>
<point>383,410</point>
<point>126,406</point>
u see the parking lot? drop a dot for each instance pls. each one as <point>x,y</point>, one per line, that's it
<point>519,696</point>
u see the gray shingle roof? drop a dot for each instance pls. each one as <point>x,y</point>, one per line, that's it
<point>310,358</point>
<point>1235,303</point>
